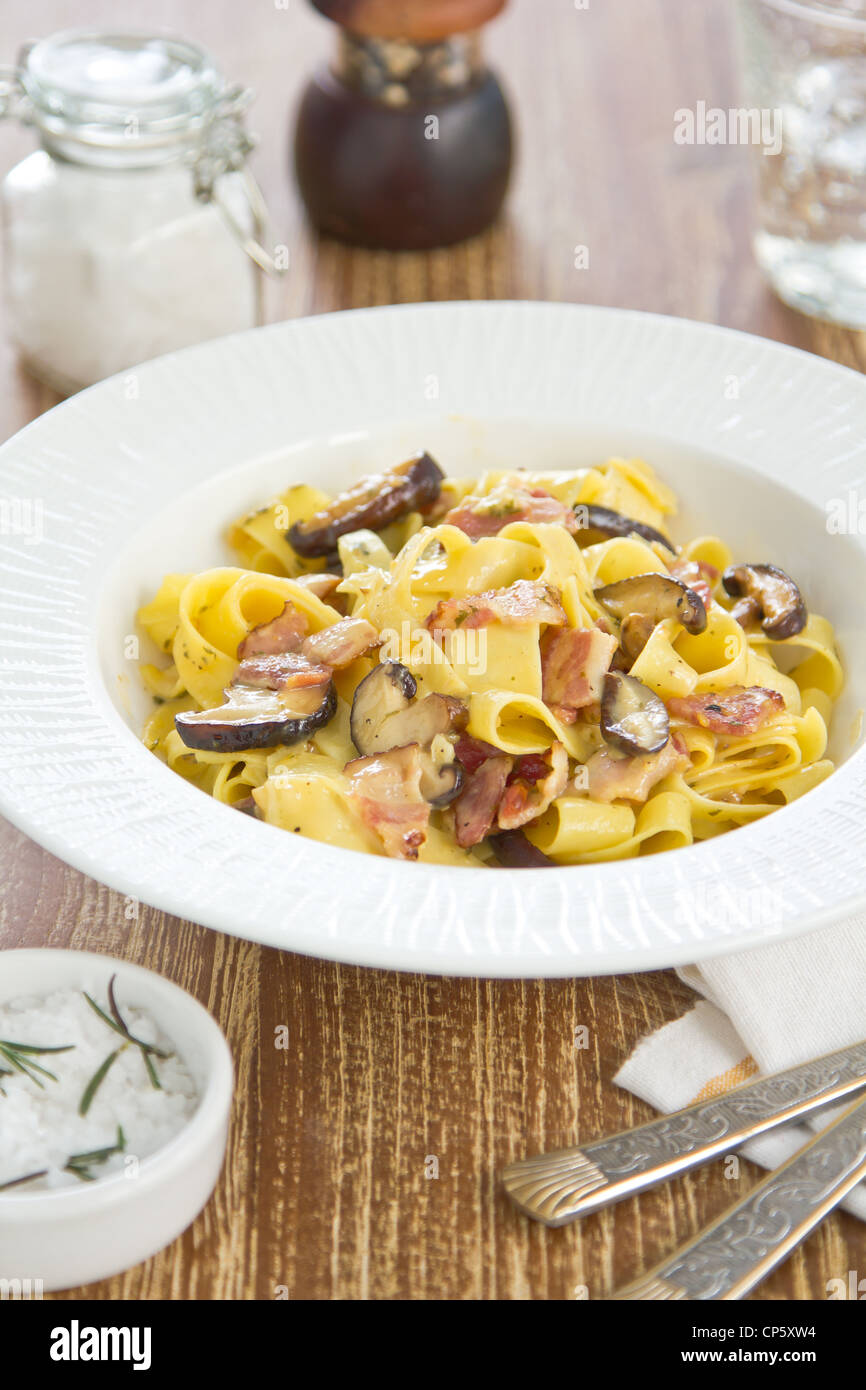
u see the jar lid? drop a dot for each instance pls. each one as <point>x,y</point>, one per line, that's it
<point>422,21</point>
<point>124,91</point>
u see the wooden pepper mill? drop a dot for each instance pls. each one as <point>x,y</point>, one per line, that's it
<point>405,141</point>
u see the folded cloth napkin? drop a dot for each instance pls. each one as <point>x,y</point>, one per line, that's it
<point>765,1010</point>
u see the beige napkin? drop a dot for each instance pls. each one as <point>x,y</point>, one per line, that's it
<point>763,1011</point>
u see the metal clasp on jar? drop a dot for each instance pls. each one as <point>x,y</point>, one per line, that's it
<point>225,149</point>
<point>14,104</point>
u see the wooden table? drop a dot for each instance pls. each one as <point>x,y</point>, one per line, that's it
<point>325,1193</point>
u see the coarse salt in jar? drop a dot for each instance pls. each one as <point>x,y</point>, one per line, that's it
<point>136,228</point>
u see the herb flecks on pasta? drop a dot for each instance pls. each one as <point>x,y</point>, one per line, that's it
<point>522,669</point>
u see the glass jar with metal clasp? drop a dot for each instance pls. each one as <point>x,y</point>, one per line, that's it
<point>136,228</point>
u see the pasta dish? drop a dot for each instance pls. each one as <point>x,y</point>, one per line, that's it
<point>519,670</point>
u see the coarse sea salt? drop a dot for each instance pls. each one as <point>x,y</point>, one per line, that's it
<point>42,1128</point>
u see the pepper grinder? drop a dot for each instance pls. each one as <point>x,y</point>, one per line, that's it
<point>404,141</point>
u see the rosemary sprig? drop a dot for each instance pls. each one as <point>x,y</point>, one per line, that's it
<point>20,1057</point>
<point>28,1177</point>
<point>115,1014</point>
<point>116,1021</point>
<point>97,1079</point>
<point>151,1071</point>
<point>80,1164</point>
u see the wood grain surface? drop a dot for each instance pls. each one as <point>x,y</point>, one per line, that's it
<point>326,1192</point>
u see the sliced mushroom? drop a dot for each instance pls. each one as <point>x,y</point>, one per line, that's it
<point>388,690</point>
<point>371,504</point>
<point>596,524</point>
<point>514,851</point>
<point>747,613</point>
<point>322,585</point>
<point>656,597</point>
<point>253,717</point>
<point>633,718</point>
<point>777,599</point>
<point>386,714</point>
<point>634,634</point>
<point>441,773</point>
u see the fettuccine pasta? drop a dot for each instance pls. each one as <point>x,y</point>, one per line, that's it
<point>519,670</point>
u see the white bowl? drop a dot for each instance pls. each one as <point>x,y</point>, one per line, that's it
<point>72,1236</point>
<point>139,476</point>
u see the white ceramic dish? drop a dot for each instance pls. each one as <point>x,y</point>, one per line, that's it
<point>76,1235</point>
<point>139,476</point>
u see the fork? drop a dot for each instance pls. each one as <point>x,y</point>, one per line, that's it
<point>559,1187</point>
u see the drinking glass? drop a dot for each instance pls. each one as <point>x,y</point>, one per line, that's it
<point>806,61</point>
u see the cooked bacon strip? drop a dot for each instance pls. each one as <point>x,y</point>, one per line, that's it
<point>613,777</point>
<point>284,633</point>
<point>527,795</point>
<point>281,671</point>
<point>339,645</point>
<point>574,662</point>
<point>697,575</point>
<point>486,516</point>
<point>735,711</point>
<point>475,807</point>
<point>524,602</point>
<point>335,646</point>
<point>472,752</point>
<point>530,767</point>
<point>386,788</point>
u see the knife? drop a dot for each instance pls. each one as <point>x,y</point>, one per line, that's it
<point>728,1258</point>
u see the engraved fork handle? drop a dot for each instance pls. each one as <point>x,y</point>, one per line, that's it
<point>731,1256</point>
<point>557,1187</point>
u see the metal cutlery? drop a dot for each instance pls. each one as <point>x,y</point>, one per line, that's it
<point>728,1258</point>
<point>558,1187</point>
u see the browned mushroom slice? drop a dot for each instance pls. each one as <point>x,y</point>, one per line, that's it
<point>253,717</point>
<point>747,613</point>
<point>634,634</point>
<point>656,597</point>
<point>633,718</point>
<point>322,585</point>
<point>776,597</point>
<point>372,504</point>
<point>441,782</point>
<point>388,690</point>
<point>596,524</point>
<point>386,714</point>
<point>514,851</point>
